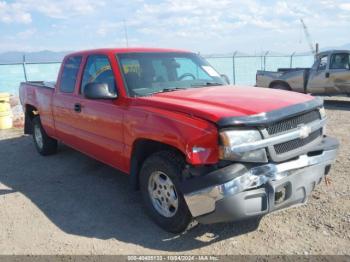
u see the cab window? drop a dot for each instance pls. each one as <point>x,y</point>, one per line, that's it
<point>323,63</point>
<point>188,67</point>
<point>69,74</point>
<point>150,73</point>
<point>340,61</point>
<point>98,70</point>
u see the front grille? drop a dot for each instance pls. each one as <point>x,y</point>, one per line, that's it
<point>297,143</point>
<point>293,122</point>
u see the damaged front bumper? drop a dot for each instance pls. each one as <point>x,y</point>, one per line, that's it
<point>239,191</point>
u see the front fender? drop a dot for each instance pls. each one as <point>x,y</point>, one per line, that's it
<point>196,138</point>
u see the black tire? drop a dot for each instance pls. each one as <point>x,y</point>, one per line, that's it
<point>281,87</point>
<point>48,145</point>
<point>172,165</point>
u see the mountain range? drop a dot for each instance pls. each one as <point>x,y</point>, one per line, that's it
<point>40,57</point>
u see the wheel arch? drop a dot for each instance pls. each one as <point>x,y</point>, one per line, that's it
<point>279,82</point>
<point>30,112</point>
<point>141,149</point>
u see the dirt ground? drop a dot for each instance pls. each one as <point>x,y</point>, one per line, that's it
<point>71,204</point>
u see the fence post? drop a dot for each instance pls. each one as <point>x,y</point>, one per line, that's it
<point>291,60</point>
<point>234,68</point>
<point>265,59</point>
<point>24,68</point>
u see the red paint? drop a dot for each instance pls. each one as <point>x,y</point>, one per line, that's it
<point>107,130</point>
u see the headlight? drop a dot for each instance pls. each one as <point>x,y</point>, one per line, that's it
<point>231,139</point>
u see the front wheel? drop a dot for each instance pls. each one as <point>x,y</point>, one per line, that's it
<point>44,144</point>
<point>159,182</point>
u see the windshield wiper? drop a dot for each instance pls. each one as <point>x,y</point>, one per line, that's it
<point>207,84</point>
<point>168,89</point>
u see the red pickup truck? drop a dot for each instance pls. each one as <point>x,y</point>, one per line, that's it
<point>197,148</point>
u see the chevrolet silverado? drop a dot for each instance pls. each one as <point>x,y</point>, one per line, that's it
<point>196,148</point>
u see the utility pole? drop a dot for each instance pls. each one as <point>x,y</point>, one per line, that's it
<point>24,67</point>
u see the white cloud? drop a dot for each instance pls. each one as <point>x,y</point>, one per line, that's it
<point>19,11</point>
<point>345,6</point>
<point>204,18</point>
<point>212,25</point>
<point>14,13</point>
<point>62,8</point>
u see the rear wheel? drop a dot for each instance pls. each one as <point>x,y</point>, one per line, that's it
<point>43,143</point>
<point>159,183</point>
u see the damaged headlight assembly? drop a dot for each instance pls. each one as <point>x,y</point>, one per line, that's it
<point>235,145</point>
<point>253,178</point>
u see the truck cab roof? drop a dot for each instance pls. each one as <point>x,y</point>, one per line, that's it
<point>128,50</point>
<point>323,53</point>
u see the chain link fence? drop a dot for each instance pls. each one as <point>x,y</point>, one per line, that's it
<point>241,69</point>
<point>11,74</point>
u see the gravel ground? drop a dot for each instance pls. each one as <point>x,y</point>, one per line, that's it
<point>71,204</point>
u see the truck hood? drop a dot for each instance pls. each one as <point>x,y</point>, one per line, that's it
<point>218,102</point>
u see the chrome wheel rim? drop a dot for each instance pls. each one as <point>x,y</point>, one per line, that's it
<point>38,136</point>
<point>163,194</point>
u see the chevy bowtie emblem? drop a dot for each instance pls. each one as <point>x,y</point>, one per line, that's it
<point>304,131</point>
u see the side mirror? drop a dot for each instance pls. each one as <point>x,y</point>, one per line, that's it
<point>98,91</point>
<point>225,78</point>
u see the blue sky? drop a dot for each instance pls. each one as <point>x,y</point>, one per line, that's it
<point>217,26</point>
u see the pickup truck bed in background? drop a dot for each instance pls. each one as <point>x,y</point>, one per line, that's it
<point>285,78</point>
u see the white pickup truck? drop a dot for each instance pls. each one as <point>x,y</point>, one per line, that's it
<point>330,75</point>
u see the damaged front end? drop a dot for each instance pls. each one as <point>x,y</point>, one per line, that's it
<point>275,166</point>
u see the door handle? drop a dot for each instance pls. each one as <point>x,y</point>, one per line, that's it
<point>77,107</point>
<point>327,74</point>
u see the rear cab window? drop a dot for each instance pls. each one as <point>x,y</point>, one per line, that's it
<point>70,73</point>
<point>98,70</point>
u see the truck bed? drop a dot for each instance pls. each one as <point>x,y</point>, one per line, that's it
<point>287,70</point>
<point>295,78</point>
<point>39,94</point>
<point>45,84</point>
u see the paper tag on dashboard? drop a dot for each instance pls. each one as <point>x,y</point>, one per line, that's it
<point>210,71</point>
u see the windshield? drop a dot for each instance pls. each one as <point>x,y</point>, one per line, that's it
<point>149,73</point>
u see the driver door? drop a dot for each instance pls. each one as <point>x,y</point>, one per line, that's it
<point>318,82</point>
<point>339,72</point>
<point>100,120</point>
